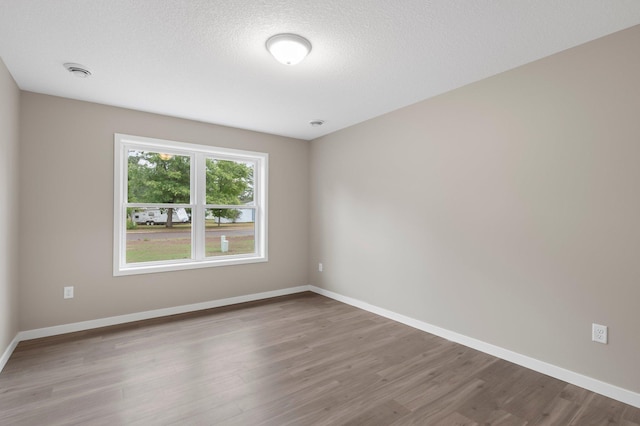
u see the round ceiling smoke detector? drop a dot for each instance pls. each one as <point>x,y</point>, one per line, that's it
<point>78,70</point>
<point>316,123</point>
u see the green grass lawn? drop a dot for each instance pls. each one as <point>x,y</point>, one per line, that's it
<point>237,245</point>
<point>151,249</point>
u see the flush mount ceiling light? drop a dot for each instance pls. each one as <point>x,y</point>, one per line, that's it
<point>289,49</point>
<point>78,70</point>
<point>316,123</point>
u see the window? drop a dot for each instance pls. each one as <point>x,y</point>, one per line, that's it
<point>183,206</point>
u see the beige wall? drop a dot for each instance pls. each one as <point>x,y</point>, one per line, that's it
<point>9,124</point>
<point>66,208</point>
<point>507,210</point>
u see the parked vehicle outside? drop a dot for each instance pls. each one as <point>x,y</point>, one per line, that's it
<point>159,216</point>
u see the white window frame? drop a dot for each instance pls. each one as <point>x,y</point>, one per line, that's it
<point>198,153</point>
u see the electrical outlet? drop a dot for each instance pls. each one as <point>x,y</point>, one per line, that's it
<point>319,267</point>
<point>599,333</point>
<point>68,292</point>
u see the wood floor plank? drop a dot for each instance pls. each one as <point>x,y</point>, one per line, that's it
<point>560,411</point>
<point>439,409</point>
<point>456,419</point>
<point>295,360</point>
<point>631,415</point>
<point>384,413</point>
<point>599,410</point>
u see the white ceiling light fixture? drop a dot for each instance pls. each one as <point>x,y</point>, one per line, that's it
<point>288,49</point>
<point>316,123</point>
<point>78,70</point>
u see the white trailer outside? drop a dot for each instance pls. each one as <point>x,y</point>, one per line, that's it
<point>158,217</point>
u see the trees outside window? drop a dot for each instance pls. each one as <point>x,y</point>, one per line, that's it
<point>158,178</point>
<point>228,182</point>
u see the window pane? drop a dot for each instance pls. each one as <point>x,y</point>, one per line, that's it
<point>155,177</point>
<point>151,236</point>
<point>230,231</point>
<point>229,182</point>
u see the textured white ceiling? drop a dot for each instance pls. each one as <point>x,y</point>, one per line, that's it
<point>206,59</point>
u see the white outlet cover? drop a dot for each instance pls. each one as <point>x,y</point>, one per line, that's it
<point>599,333</point>
<point>68,292</point>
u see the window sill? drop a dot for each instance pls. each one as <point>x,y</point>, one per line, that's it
<point>150,268</point>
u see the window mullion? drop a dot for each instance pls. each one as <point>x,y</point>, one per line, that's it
<point>159,205</point>
<point>199,193</point>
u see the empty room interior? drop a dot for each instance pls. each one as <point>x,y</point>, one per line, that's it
<point>422,213</point>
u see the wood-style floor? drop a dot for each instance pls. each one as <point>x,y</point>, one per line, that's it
<point>296,360</point>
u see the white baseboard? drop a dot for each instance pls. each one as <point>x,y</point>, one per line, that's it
<point>606,389</point>
<point>157,313</point>
<point>7,353</point>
